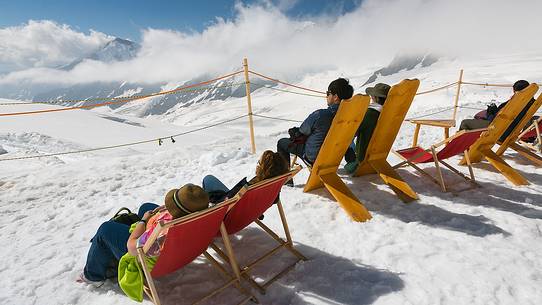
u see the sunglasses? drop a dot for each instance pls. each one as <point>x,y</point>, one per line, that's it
<point>328,93</point>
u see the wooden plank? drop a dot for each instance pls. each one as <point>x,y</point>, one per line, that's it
<point>346,199</point>
<point>511,174</point>
<point>392,178</point>
<point>340,135</point>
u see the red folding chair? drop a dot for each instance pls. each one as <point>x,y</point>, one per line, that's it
<point>257,199</point>
<point>187,238</point>
<point>453,146</point>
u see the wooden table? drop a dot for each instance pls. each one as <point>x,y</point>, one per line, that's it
<point>446,124</point>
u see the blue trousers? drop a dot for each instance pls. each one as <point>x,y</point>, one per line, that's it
<point>211,183</point>
<point>108,246</point>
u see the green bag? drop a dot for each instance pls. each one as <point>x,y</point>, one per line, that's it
<point>127,218</point>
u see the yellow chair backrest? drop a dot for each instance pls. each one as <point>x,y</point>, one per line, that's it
<point>500,123</point>
<point>513,136</point>
<point>389,122</point>
<point>339,137</point>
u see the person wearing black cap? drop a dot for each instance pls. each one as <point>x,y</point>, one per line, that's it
<point>305,141</point>
<point>482,120</point>
<point>378,95</point>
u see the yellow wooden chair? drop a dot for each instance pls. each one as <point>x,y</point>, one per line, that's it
<point>516,135</point>
<point>392,116</point>
<point>483,147</point>
<point>339,137</point>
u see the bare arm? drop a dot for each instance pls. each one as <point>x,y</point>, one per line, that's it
<point>138,231</point>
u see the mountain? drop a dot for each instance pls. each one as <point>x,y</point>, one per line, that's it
<point>402,62</point>
<point>117,49</point>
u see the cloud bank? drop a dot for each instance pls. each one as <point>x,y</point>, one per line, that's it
<point>280,45</point>
<point>44,44</point>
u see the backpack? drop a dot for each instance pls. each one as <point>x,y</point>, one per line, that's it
<point>127,218</point>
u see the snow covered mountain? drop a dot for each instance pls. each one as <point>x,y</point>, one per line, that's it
<point>117,49</point>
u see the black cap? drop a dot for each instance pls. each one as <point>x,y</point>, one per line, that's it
<point>520,85</point>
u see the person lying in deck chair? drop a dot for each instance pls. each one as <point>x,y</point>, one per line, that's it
<point>270,164</point>
<point>114,239</point>
<point>305,141</point>
<point>484,118</point>
<point>378,95</point>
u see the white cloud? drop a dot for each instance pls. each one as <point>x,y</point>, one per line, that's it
<point>283,46</point>
<point>44,44</point>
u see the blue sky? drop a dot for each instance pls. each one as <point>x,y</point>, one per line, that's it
<point>125,18</point>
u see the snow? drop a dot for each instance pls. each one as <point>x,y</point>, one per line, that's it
<point>480,246</point>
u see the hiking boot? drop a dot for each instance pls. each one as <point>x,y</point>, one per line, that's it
<point>351,167</point>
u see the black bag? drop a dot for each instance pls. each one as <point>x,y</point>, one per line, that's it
<point>296,136</point>
<point>219,196</point>
<point>127,218</point>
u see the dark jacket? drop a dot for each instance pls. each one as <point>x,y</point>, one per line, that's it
<point>315,127</point>
<point>365,132</point>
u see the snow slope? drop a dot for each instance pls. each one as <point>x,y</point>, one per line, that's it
<point>481,246</point>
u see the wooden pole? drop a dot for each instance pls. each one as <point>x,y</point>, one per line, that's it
<point>249,102</point>
<point>457,93</point>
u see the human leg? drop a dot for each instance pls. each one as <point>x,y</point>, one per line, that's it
<point>470,124</point>
<point>107,246</point>
<point>212,184</point>
<point>286,146</point>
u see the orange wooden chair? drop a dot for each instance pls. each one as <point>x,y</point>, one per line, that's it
<point>516,135</point>
<point>482,148</point>
<point>393,113</point>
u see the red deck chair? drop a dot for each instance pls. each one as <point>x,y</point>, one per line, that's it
<point>188,237</point>
<point>453,146</point>
<point>258,198</point>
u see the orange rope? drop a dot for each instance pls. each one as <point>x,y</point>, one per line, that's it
<point>487,85</point>
<point>124,100</point>
<point>284,83</point>
<point>436,89</point>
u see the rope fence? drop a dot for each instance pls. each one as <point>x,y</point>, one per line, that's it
<point>250,114</point>
<point>125,99</point>
<point>159,140</point>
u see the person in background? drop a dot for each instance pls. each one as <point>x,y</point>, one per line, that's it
<point>484,118</point>
<point>270,164</point>
<point>378,95</point>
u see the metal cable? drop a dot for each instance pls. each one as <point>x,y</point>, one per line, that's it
<point>275,118</point>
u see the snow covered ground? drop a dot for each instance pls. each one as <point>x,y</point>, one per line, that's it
<point>481,246</point>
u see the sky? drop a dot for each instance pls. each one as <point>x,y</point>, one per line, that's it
<point>127,18</point>
<point>181,41</point>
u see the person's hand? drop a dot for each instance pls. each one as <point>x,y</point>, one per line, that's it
<point>147,215</point>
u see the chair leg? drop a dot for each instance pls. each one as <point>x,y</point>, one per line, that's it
<point>471,171</point>
<point>537,160</point>
<point>344,196</point>
<point>392,178</point>
<point>439,171</point>
<point>510,173</point>
<point>150,282</point>
<point>287,232</point>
